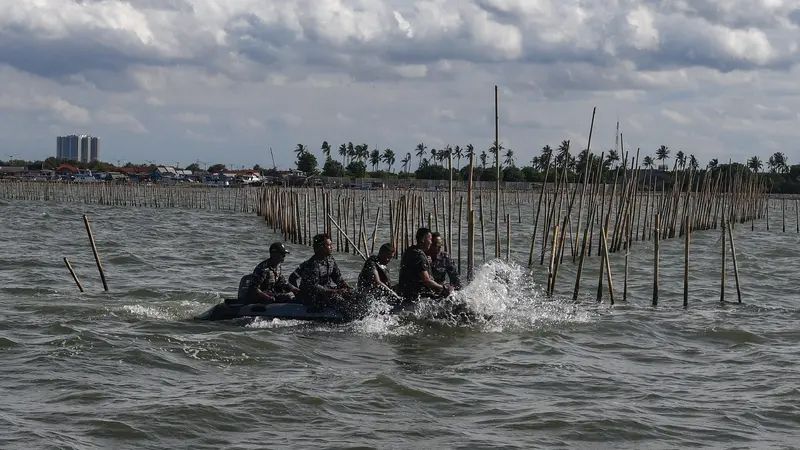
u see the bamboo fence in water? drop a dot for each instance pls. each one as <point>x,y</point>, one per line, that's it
<point>557,223</point>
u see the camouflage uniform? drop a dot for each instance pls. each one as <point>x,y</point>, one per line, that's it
<point>442,266</point>
<point>366,280</point>
<point>266,279</point>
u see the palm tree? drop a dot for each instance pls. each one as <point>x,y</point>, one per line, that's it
<point>326,150</point>
<point>648,162</point>
<point>434,155</point>
<point>388,158</point>
<point>300,150</point>
<point>546,156</point>
<point>611,158</point>
<point>343,154</point>
<point>375,159</point>
<point>563,157</point>
<point>351,152</point>
<point>755,164</point>
<point>470,152</point>
<point>496,150</point>
<point>681,158</point>
<point>713,164</point>
<point>777,163</point>
<point>421,152</point>
<point>459,153</point>
<point>405,162</point>
<point>662,154</point>
<point>483,159</point>
<point>693,163</point>
<point>509,158</point>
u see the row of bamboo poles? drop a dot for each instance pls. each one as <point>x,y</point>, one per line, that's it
<point>151,195</point>
<point>561,220</point>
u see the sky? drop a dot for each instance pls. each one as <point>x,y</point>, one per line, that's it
<point>223,81</point>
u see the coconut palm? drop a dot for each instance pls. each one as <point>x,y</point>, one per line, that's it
<point>326,150</point>
<point>648,162</point>
<point>509,158</point>
<point>459,153</point>
<point>693,163</point>
<point>388,158</point>
<point>343,153</point>
<point>405,161</point>
<point>545,157</point>
<point>755,164</point>
<point>375,159</point>
<point>421,148</point>
<point>662,154</point>
<point>611,158</point>
<point>681,158</point>
<point>300,150</point>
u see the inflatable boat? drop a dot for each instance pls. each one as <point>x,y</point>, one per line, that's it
<point>232,308</point>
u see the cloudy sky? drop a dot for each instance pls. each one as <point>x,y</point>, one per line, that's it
<point>224,80</point>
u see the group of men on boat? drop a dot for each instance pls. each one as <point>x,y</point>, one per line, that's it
<point>424,267</point>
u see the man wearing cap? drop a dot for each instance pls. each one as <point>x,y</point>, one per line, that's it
<point>266,284</point>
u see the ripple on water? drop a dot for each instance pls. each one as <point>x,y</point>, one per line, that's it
<point>128,368</point>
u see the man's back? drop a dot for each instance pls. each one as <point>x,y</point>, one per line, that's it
<point>366,279</point>
<point>413,263</point>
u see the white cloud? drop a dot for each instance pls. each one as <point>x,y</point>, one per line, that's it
<point>712,77</point>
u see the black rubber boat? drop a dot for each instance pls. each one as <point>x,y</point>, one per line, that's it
<point>231,309</point>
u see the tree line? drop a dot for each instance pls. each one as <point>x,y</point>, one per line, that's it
<point>355,160</point>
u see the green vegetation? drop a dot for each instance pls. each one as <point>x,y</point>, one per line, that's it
<point>356,160</point>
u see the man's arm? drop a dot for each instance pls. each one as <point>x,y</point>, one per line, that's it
<point>452,272</point>
<point>336,276</point>
<point>295,276</point>
<point>429,282</point>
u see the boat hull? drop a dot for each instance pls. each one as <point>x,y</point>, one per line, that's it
<point>229,310</point>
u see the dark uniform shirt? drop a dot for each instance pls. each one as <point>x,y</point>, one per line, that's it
<point>442,266</point>
<point>316,273</point>
<point>366,279</point>
<point>413,263</point>
<point>265,279</point>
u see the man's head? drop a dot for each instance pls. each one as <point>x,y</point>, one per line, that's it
<point>278,252</point>
<point>386,253</point>
<point>322,245</point>
<point>436,240</point>
<point>423,237</point>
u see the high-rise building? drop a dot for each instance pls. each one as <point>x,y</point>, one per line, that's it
<point>83,148</point>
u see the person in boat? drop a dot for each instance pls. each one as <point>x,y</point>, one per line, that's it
<point>374,279</point>
<point>442,266</point>
<point>415,272</point>
<point>321,282</point>
<point>266,284</point>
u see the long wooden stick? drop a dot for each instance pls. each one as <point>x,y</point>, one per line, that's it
<point>94,252</point>
<point>346,237</point>
<point>72,272</point>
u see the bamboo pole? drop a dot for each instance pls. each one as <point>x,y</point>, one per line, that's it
<point>497,190</point>
<point>735,265</point>
<point>72,272</point>
<point>94,252</point>
<point>656,234</point>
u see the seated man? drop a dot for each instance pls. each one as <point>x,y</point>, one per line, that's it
<point>266,284</point>
<point>415,277</point>
<point>373,278</point>
<point>441,264</point>
<point>322,285</point>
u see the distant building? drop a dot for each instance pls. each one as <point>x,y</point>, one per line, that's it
<point>81,148</point>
